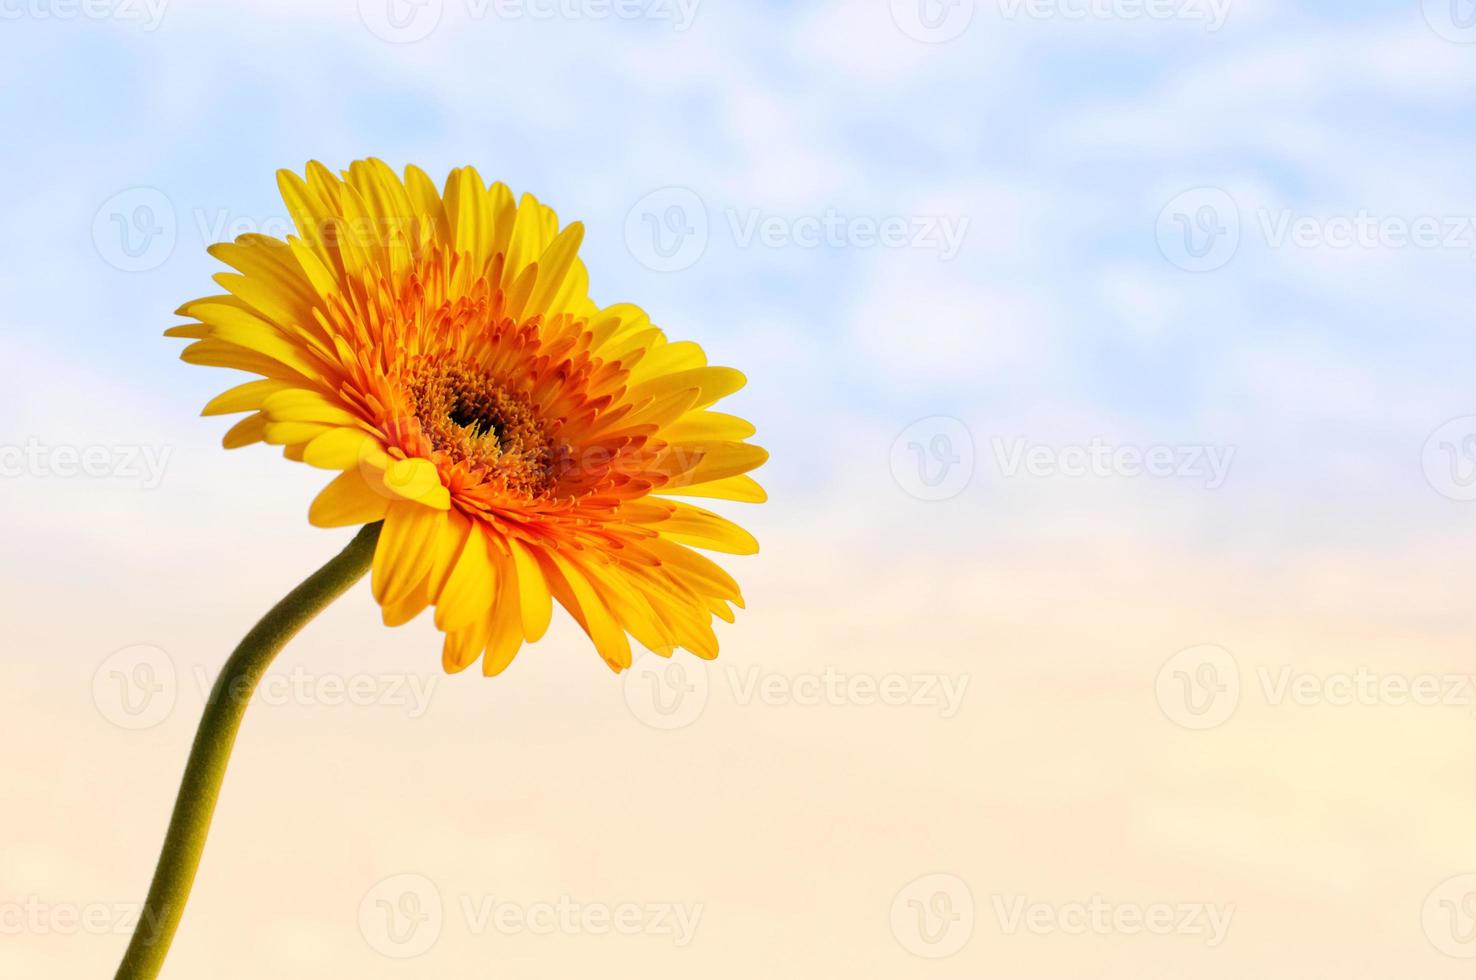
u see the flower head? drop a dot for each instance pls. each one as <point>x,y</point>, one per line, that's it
<point>520,443</point>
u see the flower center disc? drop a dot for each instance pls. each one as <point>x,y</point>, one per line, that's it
<point>473,419</point>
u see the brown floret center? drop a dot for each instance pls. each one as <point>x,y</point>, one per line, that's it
<point>471,417</point>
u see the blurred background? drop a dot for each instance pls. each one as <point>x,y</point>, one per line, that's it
<point>1113,616</point>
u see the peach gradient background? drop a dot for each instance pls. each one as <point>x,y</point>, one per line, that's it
<point>1062,776</point>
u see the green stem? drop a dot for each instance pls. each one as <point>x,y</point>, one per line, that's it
<point>185,840</point>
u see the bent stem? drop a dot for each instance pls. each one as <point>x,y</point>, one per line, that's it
<point>185,840</point>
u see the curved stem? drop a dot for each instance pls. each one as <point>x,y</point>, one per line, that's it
<point>185,840</point>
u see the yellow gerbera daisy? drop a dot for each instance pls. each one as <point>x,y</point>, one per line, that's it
<point>519,442</point>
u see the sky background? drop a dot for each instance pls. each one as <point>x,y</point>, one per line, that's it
<point>996,673</point>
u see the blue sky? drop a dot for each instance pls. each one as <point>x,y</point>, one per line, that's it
<point>1051,143</point>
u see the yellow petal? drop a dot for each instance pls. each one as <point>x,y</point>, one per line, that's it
<point>406,549</point>
<point>213,353</point>
<point>554,265</point>
<point>467,596</point>
<point>700,572</point>
<point>467,214</point>
<point>504,627</point>
<point>744,489</point>
<point>235,325</point>
<point>708,426</point>
<point>417,480</point>
<point>427,200</point>
<point>291,433</point>
<point>348,500</point>
<point>462,647</point>
<point>691,463</point>
<point>668,358</point>
<point>245,432</point>
<point>704,529</point>
<point>713,382</point>
<point>402,611</point>
<point>298,405</point>
<point>342,448</point>
<point>527,241</point>
<point>534,600</point>
<point>243,398</point>
<point>586,606</point>
<point>454,535</point>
